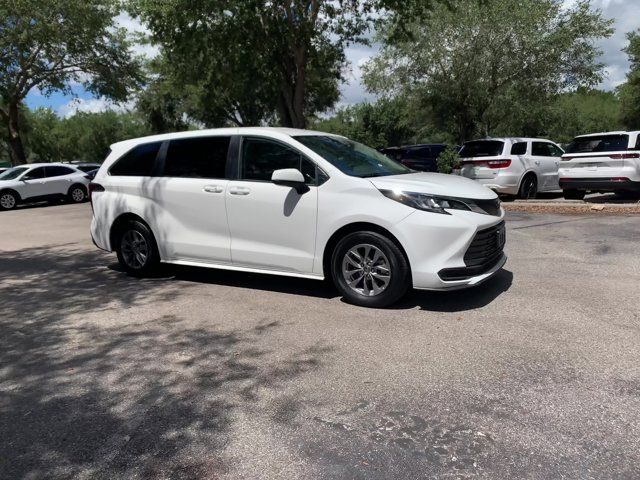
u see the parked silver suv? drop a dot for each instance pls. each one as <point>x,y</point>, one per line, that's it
<point>512,166</point>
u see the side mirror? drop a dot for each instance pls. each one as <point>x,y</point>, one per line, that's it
<point>290,177</point>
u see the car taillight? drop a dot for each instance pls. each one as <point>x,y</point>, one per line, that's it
<point>88,177</point>
<point>623,156</point>
<point>94,188</point>
<point>565,159</point>
<point>501,163</point>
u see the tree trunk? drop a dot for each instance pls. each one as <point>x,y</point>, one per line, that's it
<point>16,147</point>
<point>292,96</point>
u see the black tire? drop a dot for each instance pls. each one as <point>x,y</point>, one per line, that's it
<point>573,194</point>
<point>8,200</point>
<point>528,187</point>
<point>77,194</point>
<point>373,276</point>
<point>138,260</point>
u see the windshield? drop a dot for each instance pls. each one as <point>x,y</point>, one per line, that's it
<point>351,157</point>
<point>604,143</point>
<point>482,148</point>
<point>13,173</point>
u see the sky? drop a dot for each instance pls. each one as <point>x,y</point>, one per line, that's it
<point>625,13</point>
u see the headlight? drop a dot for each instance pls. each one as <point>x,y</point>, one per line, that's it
<point>435,204</point>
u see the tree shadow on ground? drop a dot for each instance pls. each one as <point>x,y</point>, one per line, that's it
<point>147,397</point>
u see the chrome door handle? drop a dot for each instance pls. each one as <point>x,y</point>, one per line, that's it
<point>239,191</point>
<point>213,189</point>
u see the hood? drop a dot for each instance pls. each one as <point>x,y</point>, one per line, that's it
<point>435,184</point>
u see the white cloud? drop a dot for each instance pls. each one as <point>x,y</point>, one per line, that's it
<point>137,29</point>
<point>92,105</point>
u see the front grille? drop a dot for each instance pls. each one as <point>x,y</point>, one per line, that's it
<point>485,251</point>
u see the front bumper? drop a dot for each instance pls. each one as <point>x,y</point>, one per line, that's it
<point>437,243</point>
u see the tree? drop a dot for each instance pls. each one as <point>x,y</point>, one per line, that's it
<point>82,137</point>
<point>630,91</point>
<point>49,44</point>
<point>245,61</point>
<point>471,61</point>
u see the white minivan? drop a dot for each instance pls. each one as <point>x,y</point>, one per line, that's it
<point>297,203</point>
<point>520,167</point>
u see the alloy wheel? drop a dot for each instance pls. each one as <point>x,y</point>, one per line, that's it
<point>7,201</point>
<point>77,194</point>
<point>135,249</point>
<point>366,270</point>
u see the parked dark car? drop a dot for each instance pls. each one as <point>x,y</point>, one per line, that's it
<point>423,157</point>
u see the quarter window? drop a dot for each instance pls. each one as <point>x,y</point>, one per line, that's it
<point>260,157</point>
<point>198,157</point>
<point>138,162</point>
<point>56,171</point>
<point>519,148</point>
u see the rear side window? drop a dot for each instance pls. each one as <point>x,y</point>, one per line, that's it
<point>137,162</point>
<point>198,157</point>
<point>603,143</point>
<point>58,171</point>
<point>519,148</point>
<point>260,157</point>
<point>483,148</point>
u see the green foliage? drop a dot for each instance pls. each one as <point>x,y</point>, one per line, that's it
<point>448,160</point>
<point>630,91</point>
<point>244,62</point>
<point>49,44</point>
<point>83,137</point>
<point>471,62</point>
<point>386,122</point>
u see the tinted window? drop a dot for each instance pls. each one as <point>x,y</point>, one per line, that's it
<point>351,157</point>
<point>519,148</point>
<point>199,157</point>
<point>555,150</point>
<point>56,171</point>
<point>34,174</point>
<point>138,162</point>
<point>603,143</point>
<point>421,152</point>
<point>482,148</point>
<point>541,149</point>
<point>260,157</point>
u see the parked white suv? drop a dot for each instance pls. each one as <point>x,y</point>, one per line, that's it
<point>297,203</point>
<point>42,181</point>
<point>601,162</point>
<point>512,166</point>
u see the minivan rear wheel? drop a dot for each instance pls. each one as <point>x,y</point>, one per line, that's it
<point>136,249</point>
<point>370,270</point>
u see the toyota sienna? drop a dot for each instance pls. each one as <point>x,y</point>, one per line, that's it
<point>297,203</point>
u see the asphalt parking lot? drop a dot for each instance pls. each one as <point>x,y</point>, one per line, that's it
<point>210,374</point>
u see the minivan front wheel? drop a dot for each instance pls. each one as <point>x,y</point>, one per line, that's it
<point>137,251</point>
<point>370,270</point>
